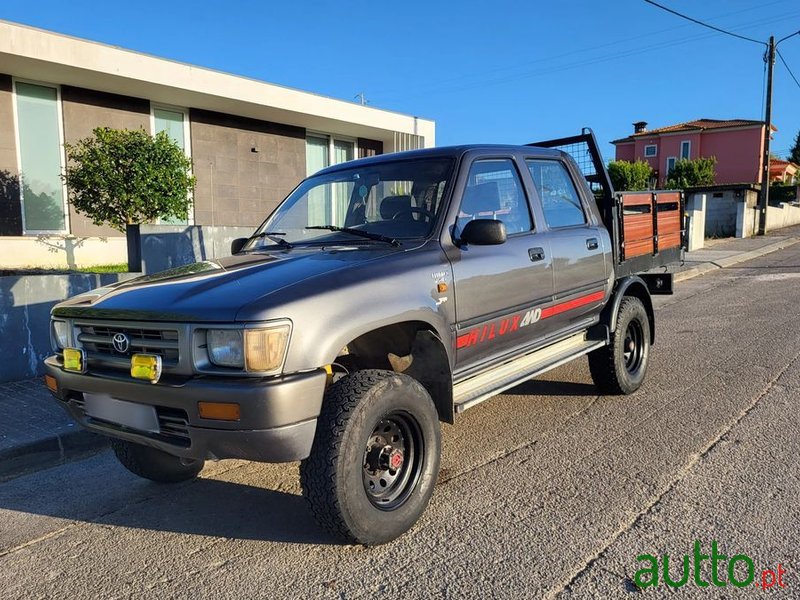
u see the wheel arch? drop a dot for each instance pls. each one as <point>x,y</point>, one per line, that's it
<point>413,348</point>
<point>629,286</point>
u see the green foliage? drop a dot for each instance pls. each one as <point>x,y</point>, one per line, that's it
<point>691,173</point>
<point>119,177</point>
<point>630,176</point>
<point>794,153</point>
<point>112,268</point>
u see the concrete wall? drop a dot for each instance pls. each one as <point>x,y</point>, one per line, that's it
<point>83,110</point>
<point>236,185</point>
<point>782,215</point>
<point>696,211</point>
<point>167,246</point>
<point>721,210</point>
<point>10,209</point>
<point>61,252</point>
<point>25,303</point>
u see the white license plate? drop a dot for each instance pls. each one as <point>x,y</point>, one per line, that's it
<point>129,414</point>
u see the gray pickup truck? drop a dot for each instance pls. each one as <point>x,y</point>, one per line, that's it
<point>384,295</point>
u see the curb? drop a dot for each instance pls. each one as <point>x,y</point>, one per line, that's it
<point>723,263</point>
<point>49,452</point>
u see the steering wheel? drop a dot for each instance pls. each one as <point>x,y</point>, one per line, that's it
<point>429,216</point>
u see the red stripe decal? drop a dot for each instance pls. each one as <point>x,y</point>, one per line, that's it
<point>514,322</point>
<point>565,306</point>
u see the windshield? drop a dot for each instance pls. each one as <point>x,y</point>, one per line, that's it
<point>380,202</point>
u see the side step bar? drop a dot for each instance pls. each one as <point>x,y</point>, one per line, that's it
<point>478,388</point>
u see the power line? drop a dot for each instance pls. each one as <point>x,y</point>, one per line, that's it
<point>497,75</point>
<point>785,64</point>
<point>682,16</point>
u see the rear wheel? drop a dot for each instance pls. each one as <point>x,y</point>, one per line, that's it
<point>375,458</point>
<point>620,367</point>
<point>154,464</point>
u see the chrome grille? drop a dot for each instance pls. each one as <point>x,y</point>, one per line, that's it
<point>96,339</point>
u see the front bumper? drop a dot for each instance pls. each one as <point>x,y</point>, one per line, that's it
<point>278,416</point>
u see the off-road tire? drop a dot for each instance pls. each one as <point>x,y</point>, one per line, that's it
<point>613,371</point>
<point>154,464</point>
<point>335,477</point>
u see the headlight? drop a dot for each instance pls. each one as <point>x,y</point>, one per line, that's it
<point>225,347</point>
<point>260,350</point>
<point>266,348</point>
<point>61,334</point>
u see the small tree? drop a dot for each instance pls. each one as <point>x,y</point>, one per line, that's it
<point>794,153</point>
<point>125,177</point>
<point>630,176</point>
<point>691,173</point>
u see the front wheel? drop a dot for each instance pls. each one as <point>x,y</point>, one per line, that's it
<point>375,458</point>
<point>154,464</point>
<point>620,367</point>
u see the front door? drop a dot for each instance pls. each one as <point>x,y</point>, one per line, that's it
<point>498,288</point>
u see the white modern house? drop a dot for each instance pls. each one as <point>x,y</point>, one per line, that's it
<point>250,141</point>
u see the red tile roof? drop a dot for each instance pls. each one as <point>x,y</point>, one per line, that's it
<point>778,167</point>
<point>696,125</point>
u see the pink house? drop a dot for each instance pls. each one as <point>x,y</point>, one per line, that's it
<point>737,145</point>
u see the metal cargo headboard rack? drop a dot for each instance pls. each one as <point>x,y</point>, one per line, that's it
<point>585,152</point>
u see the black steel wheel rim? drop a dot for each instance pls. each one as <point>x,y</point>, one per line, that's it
<point>633,348</point>
<point>393,460</point>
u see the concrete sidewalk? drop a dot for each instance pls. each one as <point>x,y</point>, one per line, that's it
<point>35,433</point>
<point>726,252</point>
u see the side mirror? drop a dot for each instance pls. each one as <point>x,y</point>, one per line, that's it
<point>237,245</point>
<point>484,232</point>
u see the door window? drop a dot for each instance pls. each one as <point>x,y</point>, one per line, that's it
<point>561,203</point>
<point>494,191</point>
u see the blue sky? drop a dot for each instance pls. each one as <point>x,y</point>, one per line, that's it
<point>485,71</point>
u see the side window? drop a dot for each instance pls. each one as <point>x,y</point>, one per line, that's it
<point>494,191</point>
<point>560,200</point>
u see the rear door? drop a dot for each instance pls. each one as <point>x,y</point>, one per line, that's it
<point>497,288</point>
<point>579,244</point>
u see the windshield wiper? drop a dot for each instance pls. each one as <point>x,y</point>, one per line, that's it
<point>273,236</point>
<point>360,233</point>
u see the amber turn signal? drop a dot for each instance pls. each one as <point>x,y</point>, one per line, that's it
<point>219,411</point>
<point>51,383</point>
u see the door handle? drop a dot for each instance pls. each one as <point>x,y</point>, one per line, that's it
<point>536,254</point>
<point>591,244</point>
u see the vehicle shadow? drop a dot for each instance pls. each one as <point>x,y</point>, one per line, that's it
<point>206,506</point>
<point>543,387</point>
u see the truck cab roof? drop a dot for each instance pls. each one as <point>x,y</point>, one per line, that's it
<point>443,151</point>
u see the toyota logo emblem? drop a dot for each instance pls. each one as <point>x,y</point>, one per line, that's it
<point>120,342</point>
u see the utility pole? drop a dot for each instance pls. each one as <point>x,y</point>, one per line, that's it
<point>362,99</point>
<point>763,199</point>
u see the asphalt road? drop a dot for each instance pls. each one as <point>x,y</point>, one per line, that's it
<point>546,491</point>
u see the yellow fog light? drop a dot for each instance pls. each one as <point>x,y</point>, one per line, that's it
<point>74,360</point>
<point>264,349</point>
<point>146,366</point>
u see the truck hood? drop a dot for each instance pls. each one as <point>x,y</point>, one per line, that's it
<point>215,290</point>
